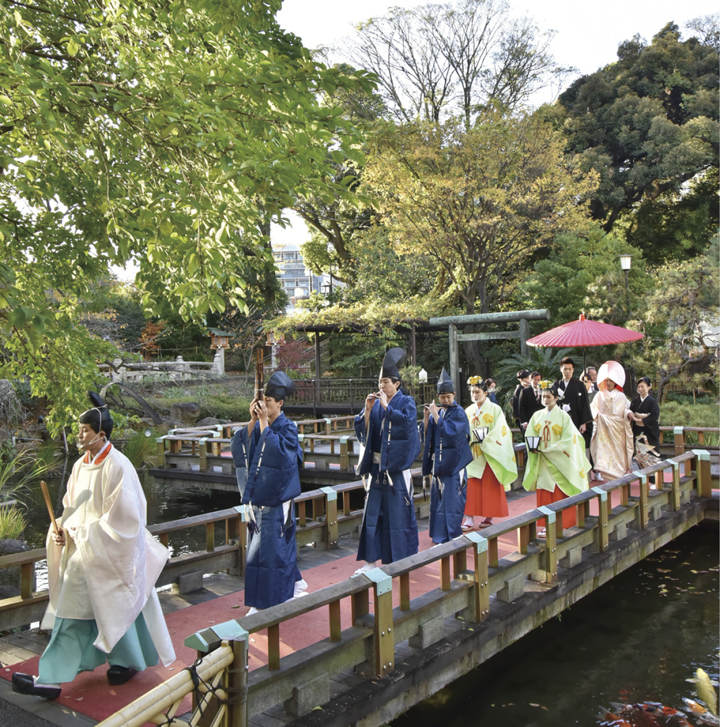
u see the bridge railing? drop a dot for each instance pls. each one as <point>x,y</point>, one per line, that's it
<point>300,680</point>
<point>323,516</point>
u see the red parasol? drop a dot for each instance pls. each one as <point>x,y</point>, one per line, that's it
<point>584,333</point>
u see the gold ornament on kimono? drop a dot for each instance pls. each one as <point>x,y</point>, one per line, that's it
<point>537,427</point>
<point>557,430</point>
<point>488,418</point>
<point>503,431</point>
<point>574,439</point>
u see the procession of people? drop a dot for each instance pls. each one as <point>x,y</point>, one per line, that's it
<point>103,563</point>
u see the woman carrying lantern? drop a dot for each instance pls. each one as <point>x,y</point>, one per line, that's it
<point>557,466</point>
<point>493,468</point>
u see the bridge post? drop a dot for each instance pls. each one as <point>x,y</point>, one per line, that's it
<point>384,640</point>
<point>550,543</point>
<point>236,684</point>
<point>344,454</point>
<point>481,591</point>
<point>603,506</point>
<point>702,468</point>
<point>643,518</point>
<point>679,436</point>
<point>675,487</point>
<point>235,679</point>
<point>202,454</point>
<point>160,442</point>
<point>331,517</point>
<point>236,531</point>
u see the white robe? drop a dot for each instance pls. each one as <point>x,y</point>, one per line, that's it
<point>109,565</point>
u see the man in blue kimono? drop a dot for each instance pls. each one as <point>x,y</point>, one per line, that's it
<point>446,455</point>
<point>268,449</point>
<point>388,435</point>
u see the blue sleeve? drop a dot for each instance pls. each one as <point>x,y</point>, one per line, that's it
<point>429,448</point>
<point>274,475</point>
<point>455,432</point>
<point>401,441</point>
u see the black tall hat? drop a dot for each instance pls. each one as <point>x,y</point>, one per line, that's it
<point>394,359</point>
<point>445,383</point>
<point>98,417</point>
<point>280,386</point>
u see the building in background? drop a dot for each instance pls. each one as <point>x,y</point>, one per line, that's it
<point>297,281</point>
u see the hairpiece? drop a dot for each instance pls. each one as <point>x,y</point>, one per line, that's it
<point>475,381</point>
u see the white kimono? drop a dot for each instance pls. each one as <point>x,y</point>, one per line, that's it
<point>110,562</point>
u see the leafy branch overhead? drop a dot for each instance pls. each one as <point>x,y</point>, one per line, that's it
<point>167,134</point>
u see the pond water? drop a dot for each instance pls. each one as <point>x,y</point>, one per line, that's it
<point>638,638</point>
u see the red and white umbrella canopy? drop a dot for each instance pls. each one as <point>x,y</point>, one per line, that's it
<point>583,332</point>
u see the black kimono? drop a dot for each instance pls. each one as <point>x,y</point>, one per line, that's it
<point>651,424</point>
<point>528,404</point>
<point>578,405</point>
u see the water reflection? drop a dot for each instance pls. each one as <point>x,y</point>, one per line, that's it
<point>637,639</point>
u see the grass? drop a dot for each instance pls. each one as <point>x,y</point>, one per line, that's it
<point>139,449</point>
<point>12,523</point>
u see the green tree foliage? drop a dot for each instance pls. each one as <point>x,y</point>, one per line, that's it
<point>683,322</point>
<point>169,133</point>
<point>648,124</point>
<point>582,274</point>
<point>476,202</point>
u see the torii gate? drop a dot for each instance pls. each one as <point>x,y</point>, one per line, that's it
<point>453,322</point>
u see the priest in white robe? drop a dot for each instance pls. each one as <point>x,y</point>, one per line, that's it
<point>102,567</point>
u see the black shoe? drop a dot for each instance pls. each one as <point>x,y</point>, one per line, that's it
<point>24,684</point>
<point>117,675</point>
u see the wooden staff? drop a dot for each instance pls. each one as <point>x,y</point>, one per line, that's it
<point>46,495</point>
<point>259,374</point>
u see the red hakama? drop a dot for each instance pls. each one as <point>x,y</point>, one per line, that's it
<point>486,496</point>
<point>543,497</point>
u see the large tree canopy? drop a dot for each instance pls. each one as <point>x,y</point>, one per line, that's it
<point>170,133</point>
<point>476,202</point>
<point>648,123</point>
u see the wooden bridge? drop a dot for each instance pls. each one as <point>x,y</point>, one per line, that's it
<point>369,647</point>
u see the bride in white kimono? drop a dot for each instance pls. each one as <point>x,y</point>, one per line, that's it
<point>612,440</point>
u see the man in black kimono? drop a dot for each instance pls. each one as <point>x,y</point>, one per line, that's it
<point>575,399</point>
<point>530,401</point>
<point>645,404</point>
<point>523,378</point>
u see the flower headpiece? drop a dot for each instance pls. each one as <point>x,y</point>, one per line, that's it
<point>545,384</point>
<point>475,381</point>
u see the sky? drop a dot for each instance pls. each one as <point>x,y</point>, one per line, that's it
<point>587,35</point>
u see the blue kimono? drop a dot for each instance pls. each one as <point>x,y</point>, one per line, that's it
<point>445,456</point>
<point>271,461</point>
<point>391,445</point>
